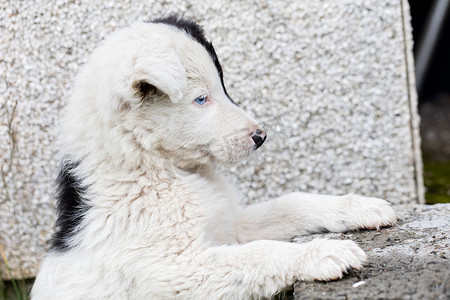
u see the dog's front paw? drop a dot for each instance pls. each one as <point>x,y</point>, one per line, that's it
<point>329,259</point>
<point>369,213</point>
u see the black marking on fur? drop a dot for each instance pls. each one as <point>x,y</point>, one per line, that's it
<point>196,32</point>
<point>71,207</point>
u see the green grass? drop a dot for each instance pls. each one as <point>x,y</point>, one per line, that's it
<point>13,289</point>
<point>437,181</point>
<point>19,290</point>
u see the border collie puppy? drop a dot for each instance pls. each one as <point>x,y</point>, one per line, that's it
<point>142,211</point>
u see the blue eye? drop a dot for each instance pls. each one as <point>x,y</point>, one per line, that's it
<point>201,100</point>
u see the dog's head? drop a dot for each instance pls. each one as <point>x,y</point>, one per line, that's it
<point>159,87</point>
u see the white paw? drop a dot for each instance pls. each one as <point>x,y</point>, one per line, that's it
<point>330,259</point>
<point>370,213</point>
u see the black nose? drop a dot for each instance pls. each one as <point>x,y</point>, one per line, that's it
<point>259,136</point>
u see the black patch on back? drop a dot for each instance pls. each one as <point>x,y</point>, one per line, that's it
<point>71,207</point>
<point>196,32</point>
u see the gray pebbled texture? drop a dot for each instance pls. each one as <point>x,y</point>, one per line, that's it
<point>328,79</point>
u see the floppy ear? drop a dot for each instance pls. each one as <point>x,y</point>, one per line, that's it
<point>162,72</point>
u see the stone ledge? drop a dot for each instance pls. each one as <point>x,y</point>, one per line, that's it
<point>408,261</point>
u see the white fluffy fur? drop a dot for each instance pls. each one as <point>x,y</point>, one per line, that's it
<point>163,224</point>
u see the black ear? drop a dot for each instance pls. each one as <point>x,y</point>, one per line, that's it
<point>146,91</point>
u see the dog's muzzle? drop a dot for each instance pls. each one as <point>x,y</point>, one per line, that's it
<point>258,136</point>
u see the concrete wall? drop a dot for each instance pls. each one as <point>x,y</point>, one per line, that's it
<point>331,80</point>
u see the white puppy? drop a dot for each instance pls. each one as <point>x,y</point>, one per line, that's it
<point>142,212</point>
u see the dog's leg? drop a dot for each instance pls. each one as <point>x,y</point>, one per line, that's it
<point>262,268</point>
<point>300,213</point>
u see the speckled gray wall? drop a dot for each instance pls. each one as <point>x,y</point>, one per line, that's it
<point>331,80</point>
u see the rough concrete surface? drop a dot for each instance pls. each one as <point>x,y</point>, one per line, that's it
<point>408,261</point>
<point>329,80</point>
